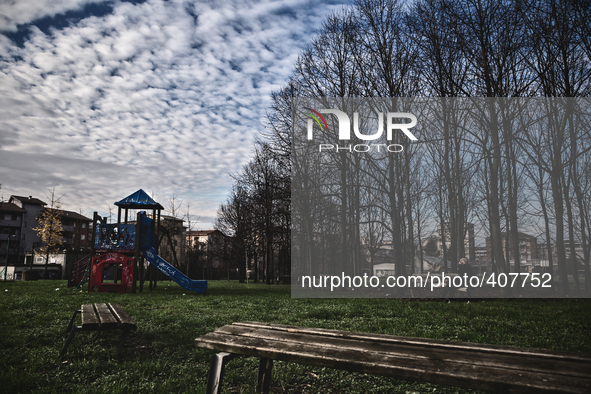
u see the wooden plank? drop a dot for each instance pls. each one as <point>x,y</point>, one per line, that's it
<point>124,319</point>
<point>384,338</point>
<point>106,317</point>
<point>89,319</point>
<point>405,366</point>
<point>467,355</point>
<point>418,343</point>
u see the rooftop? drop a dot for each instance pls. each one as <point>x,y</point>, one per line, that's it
<point>28,200</point>
<point>203,232</point>
<point>10,207</point>
<point>75,216</point>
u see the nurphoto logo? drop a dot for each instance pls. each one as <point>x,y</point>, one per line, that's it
<point>344,130</point>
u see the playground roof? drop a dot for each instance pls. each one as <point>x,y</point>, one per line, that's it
<point>139,200</point>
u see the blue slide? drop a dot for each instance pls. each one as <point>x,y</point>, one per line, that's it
<point>194,285</point>
<point>146,240</point>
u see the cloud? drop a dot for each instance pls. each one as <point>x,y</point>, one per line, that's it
<point>19,12</point>
<point>161,95</point>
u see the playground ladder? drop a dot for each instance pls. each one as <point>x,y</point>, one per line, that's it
<point>79,273</point>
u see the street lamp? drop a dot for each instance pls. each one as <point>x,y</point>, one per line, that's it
<point>65,269</point>
<point>6,262</point>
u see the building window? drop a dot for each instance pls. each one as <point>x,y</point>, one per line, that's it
<point>83,225</point>
<point>8,216</point>
<point>82,237</point>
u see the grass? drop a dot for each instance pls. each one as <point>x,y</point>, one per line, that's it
<point>160,356</point>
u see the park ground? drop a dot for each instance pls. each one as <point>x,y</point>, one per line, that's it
<point>160,357</point>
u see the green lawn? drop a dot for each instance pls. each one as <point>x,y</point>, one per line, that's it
<point>161,356</point>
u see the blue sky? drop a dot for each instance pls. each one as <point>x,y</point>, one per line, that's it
<point>99,99</point>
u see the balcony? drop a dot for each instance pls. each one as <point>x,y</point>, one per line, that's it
<point>10,223</point>
<point>13,237</point>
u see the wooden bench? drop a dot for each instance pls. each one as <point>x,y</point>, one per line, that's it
<point>486,367</point>
<point>100,317</point>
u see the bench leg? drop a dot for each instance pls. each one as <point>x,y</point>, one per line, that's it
<point>216,371</point>
<point>72,333</point>
<point>72,320</point>
<point>264,380</point>
<point>123,337</point>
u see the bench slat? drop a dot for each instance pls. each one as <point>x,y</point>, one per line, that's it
<point>106,316</point>
<point>384,338</point>
<point>433,362</point>
<point>125,320</point>
<point>469,354</point>
<point>89,319</point>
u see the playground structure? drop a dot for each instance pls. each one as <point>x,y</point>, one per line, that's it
<point>120,250</point>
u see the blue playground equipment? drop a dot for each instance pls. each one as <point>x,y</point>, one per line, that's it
<point>115,263</point>
<point>150,254</point>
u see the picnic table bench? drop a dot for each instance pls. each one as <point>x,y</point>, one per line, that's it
<point>100,317</point>
<point>486,367</point>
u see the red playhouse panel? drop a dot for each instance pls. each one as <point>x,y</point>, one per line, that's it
<point>112,273</point>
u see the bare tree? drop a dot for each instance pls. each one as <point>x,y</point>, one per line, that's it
<point>174,205</point>
<point>234,219</point>
<point>188,217</point>
<point>477,155</point>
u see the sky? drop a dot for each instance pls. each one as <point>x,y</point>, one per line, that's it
<point>101,98</point>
